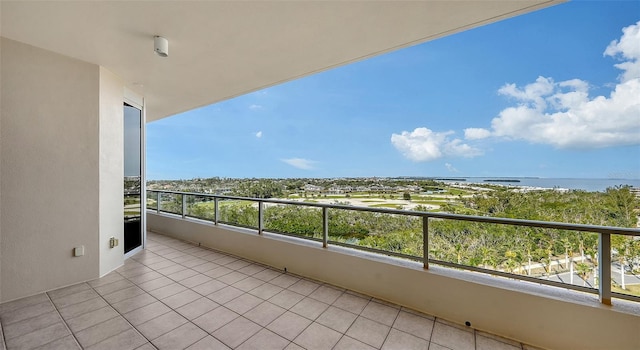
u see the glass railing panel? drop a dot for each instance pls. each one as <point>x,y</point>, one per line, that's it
<point>563,256</point>
<point>388,233</point>
<point>243,213</point>
<point>171,203</point>
<point>200,207</point>
<point>295,220</point>
<point>152,200</point>
<point>625,265</point>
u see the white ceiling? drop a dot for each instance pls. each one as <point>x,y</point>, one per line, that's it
<point>219,50</point>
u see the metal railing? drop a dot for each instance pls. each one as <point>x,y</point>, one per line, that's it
<point>604,260</point>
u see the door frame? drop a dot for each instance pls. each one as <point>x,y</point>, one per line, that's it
<point>138,102</point>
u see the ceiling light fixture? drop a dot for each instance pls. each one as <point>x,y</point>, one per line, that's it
<point>161,46</point>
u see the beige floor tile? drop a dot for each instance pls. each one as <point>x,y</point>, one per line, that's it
<point>59,293</point>
<point>136,302</point>
<point>113,286</point>
<point>434,346</point>
<point>146,277</point>
<point>208,343</point>
<point>90,319</point>
<point>232,277</point>
<point>218,272</point>
<point>39,337</point>
<point>266,291</point>
<point>337,319</point>
<point>326,294</point>
<point>101,331</point>
<point>21,303</point>
<point>304,287</point>
<point>74,298</point>
<point>197,308</point>
<point>286,299</point>
<point>248,283</point>
<point>182,275</point>
<point>216,318</point>
<point>498,338</point>
<point>368,331</point>
<point>380,313</point>
<point>251,269</point>
<point>156,283</point>
<point>137,271</point>
<point>64,343</point>
<point>195,280</point>
<point>225,295</point>
<point>452,337</point>
<point>29,325</point>
<point>348,343</point>
<point>487,343</point>
<point>264,340</point>
<point>146,346</point>
<point>413,324</point>
<point>82,308</point>
<point>146,313</point>
<point>352,303</point>
<point>236,332</point>
<point>264,313</point>
<point>243,303</point>
<point>317,336</point>
<point>169,267</point>
<point>226,259</point>
<point>289,325</point>
<point>309,308</point>
<point>267,274</point>
<point>284,280</point>
<point>180,299</point>
<point>180,338</point>
<point>123,294</point>
<point>26,312</point>
<point>194,262</point>
<point>127,340</point>
<point>398,340</point>
<point>108,279</point>
<point>161,325</point>
<point>209,287</point>
<point>238,264</point>
<point>168,290</point>
<point>207,266</point>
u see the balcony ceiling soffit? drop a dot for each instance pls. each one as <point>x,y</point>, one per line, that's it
<point>219,50</point>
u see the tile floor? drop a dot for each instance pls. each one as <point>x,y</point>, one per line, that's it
<point>175,295</point>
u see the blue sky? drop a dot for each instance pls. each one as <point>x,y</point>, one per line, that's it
<point>555,93</point>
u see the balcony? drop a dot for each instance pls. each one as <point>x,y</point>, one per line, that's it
<point>515,304</point>
<point>177,295</point>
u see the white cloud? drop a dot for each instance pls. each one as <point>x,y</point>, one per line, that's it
<point>300,163</point>
<point>259,134</point>
<point>563,115</point>
<point>628,49</point>
<point>422,145</point>
<point>255,107</point>
<point>476,133</point>
<point>450,167</point>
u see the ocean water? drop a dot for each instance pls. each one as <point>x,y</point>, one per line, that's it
<point>591,185</point>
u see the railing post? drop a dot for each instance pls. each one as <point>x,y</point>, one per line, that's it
<point>325,226</point>
<point>184,205</point>
<point>260,217</point>
<point>158,202</point>
<point>215,210</point>
<point>604,267</point>
<point>425,242</point>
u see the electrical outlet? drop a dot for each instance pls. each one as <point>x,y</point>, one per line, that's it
<point>78,251</point>
<point>113,242</point>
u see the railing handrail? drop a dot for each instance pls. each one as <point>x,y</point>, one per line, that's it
<point>604,233</point>
<point>474,218</point>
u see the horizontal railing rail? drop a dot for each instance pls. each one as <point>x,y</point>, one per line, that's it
<point>604,235</point>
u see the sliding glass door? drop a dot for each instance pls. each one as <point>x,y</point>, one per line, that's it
<point>133,180</point>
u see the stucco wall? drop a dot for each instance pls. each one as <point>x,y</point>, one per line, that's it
<point>111,170</point>
<point>513,312</point>
<point>57,153</point>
